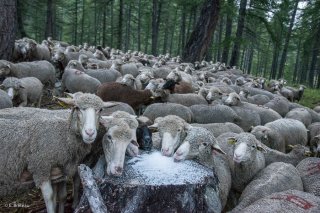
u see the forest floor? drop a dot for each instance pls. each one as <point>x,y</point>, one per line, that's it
<point>311,98</point>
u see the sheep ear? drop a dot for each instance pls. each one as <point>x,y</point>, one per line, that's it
<point>68,101</point>
<point>251,128</point>
<point>154,126</point>
<point>1,86</point>
<point>109,104</point>
<point>216,147</point>
<point>291,146</point>
<point>135,143</point>
<point>187,126</point>
<point>22,87</point>
<point>261,149</point>
<point>105,120</point>
<point>9,66</point>
<point>231,140</point>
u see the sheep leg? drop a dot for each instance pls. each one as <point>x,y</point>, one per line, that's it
<point>55,191</point>
<point>39,102</point>
<point>76,189</point>
<point>47,193</point>
<point>62,195</point>
<point>24,99</point>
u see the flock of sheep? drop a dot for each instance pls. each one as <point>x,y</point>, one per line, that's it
<point>250,131</point>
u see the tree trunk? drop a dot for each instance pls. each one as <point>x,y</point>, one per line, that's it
<point>241,20</point>
<point>227,38</point>
<point>139,25</point>
<point>250,58</point>
<point>156,11</point>
<point>305,62</point>
<point>120,24</point>
<point>82,21</point>
<point>49,22</point>
<point>8,26</point>
<point>183,27</point>
<point>193,189</point>
<point>104,22</point>
<point>286,44</point>
<point>266,58</point>
<point>275,58</point>
<point>315,53</point>
<point>111,25</point>
<point>200,39</point>
<point>128,27</point>
<point>173,31</point>
<point>21,31</point>
<point>297,64</point>
<point>166,33</point>
<point>219,39</point>
<point>75,31</point>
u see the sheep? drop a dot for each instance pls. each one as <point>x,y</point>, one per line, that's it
<point>297,154</point>
<point>175,87</point>
<point>314,115</point>
<point>317,109</point>
<point>155,84</point>
<point>266,114</point>
<point>144,134</point>
<point>156,110</point>
<point>30,139</point>
<point>76,81</point>
<point>300,114</point>
<point>213,114</point>
<point>278,104</point>
<point>297,93</point>
<point>129,68</point>
<point>287,93</point>
<point>98,54</point>
<point>258,99</point>
<point>179,76</point>
<point>129,80</point>
<point>115,91</point>
<point>247,159</point>
<point>248,117</point>
<point>37,52</point>
<point>61,59</point>
<point>143,79</point>
<point>286,201</point>
<point>118,107</point>
<point>281,133</point>
<point>309,170</point>
<point>219,128</point>
<point>276,177</point>
<point>214,94</point>
<point>314,139</point>
<point>173,130</point>
<point>28,90</point>
<point>5,100</point>
<point>104,75</point>
<point>183,99</point>
<point>201,145</point>
<point>255,91</point>
<point>42,70</point>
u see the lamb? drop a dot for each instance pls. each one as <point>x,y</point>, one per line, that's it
<point>115,91</point>
<point>314,133</point>
<point>76,81</point>
<point>309,171</point>
<point>173,130</point>
<point>276,177</point>
<point>219,128</point>
<point>213,114</point>
<point>201,145</point>
<point>156,110</point>
<point>281,133</point>
<point>42,70</point>
<point>30,139</point>
<point>247,159</point>
<point>5,100</point>
<point>297,154</point>
<point>183,99</point>
<point>266,114</point>
<point>290,201</point>
<point>28,90</point>
<point>300,114</point>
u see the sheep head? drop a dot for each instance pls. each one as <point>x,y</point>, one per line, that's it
<point>87,108</point>
<point>12,85</point>
<point>172,131</point>
<point>233,99</point>
<point>116,141</point>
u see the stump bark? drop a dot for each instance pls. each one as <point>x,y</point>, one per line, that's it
<point>161,185</point>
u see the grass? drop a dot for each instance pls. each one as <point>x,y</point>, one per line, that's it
<point>310,98</point>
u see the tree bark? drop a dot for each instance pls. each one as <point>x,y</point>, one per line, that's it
<point>173,31</point>
<point>275,60</point>
<point>183,26</point>
<point>75,30</point>
<point>241,20</point>
<point>104,22</point>
<point>219,39</point>
<point>8,28</point>
<point>286,44</point>
<point>128,27</point>
<point>119,45</point>
<point>21,31</point>
<point>82,21</point>
<point>200,39</point>
<point>227,38</point>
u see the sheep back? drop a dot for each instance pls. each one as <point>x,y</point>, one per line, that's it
<point>309,169</point>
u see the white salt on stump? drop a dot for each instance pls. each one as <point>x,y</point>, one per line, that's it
<point>152,182</point>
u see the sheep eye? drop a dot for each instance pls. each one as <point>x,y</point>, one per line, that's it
<point>109,137</point>
<point>179,130</point>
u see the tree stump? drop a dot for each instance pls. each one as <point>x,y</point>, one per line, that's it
<point>155,183</point>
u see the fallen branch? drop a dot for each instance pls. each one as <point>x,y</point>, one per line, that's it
<point>91,190</point>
